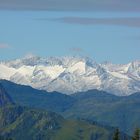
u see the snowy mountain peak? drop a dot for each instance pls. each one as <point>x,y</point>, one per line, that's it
<point>72,74</point>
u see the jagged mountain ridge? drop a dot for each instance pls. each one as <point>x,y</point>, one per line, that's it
<point>72,74</point>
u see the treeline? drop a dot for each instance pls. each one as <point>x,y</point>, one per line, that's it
<point>136,135</point>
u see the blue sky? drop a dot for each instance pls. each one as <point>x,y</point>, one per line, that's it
<point>103,35</point>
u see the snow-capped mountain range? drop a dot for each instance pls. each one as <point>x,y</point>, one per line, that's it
<point>72,74</point>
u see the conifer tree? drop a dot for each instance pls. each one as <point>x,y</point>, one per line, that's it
<point>116,135</point>
<point>136,135</point>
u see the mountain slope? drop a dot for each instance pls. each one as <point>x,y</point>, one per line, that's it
<point>72,74</point>
<point>4,97</point>
<point>100,106</point>
<point>27,96</point>
<point>30,124</point>
<point>122,112</point>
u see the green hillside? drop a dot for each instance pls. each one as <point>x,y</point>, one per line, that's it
<point>99,106</point>
<point>31,124</point>
<point>122,112</point>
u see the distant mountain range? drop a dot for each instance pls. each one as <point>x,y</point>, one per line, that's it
<point>24,123</point>
<point>70,75</point>
<point>94,105</point>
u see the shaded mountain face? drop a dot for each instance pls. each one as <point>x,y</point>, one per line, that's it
<point>27,96</point>
<point>23,123</point>
<point>69,75</point>
<point>32,124</point>
<point>100,106</point>
<point>5,99</point>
